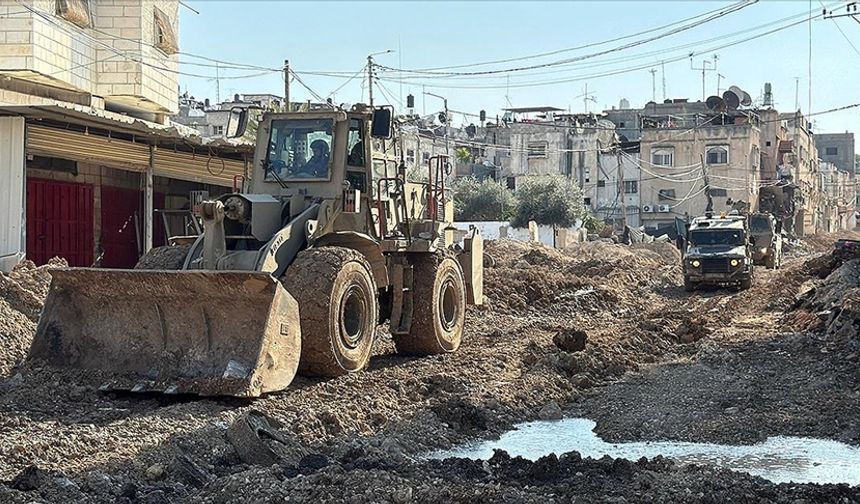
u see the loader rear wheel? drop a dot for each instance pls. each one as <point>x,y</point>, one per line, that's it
<point>338,309</point>
<point>439,313</point>
<point>164,258</point>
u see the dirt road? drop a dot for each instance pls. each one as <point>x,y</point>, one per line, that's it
<point>733,378</point>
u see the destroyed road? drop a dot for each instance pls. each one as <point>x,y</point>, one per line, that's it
<point>657,363</point>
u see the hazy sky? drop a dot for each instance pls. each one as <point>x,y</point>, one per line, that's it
<point>338,36</point>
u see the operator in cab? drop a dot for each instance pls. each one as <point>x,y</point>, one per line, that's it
<point>317,165</point>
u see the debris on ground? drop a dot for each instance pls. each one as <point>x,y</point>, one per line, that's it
<point>558,328</point>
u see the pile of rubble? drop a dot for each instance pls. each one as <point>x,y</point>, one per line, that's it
<point>22,294</point>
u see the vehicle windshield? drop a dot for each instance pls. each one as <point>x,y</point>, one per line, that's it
<point>759,224</point>
<point>299,149</point>
<point>732,237</point>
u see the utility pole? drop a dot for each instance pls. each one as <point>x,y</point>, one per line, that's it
<point>719,76</point>
<point>621,191</point>
<point>447,121</point>
<point>217,84</point>
<point>370,79</point>
<point>663,73</point>
<point>287,103</point>
<point>653,73</point>
<point>710,206</point>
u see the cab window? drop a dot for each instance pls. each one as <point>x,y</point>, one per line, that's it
<point>355,144</point>
<point>299,149</point>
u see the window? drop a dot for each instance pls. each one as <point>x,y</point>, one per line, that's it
<point>621,124</point>
<point>537,150</point>
<point>831,151</point>
<point>662,157</point>
<point>586,201</point>
<point>601,183</point>
<point>767,144</point>
<point>511,183</point>
<point>165,36</point>
<point>666,194</point>
<point>425,156</point>
<point>355,144</point>
<point>715,191</point>
<point>410,156</point>
<point>717,155</point>
<point>218,130</point>
<point>76,11</point>
<point>299,149</point>
<point>631,186</point>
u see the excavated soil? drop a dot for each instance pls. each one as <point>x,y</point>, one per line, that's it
<point>600,330</point>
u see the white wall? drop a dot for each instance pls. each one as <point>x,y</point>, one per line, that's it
<point>12,182</point>
<point>490,231</point>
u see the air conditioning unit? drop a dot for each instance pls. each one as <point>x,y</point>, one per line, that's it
<point>647,208</point>
<point>664,208</point>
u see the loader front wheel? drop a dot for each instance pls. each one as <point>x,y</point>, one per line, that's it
<point>338,309</point>
<point>439,311</point>
<point>168,257</point>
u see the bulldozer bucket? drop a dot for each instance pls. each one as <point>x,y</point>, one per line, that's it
<point>183,332</point>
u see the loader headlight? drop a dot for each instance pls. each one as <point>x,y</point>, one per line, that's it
<point>695,263</point>
<point>763,250</point>
<point>734,262</point>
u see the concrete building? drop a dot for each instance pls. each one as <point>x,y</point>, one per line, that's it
<point>801,166</point>
<point>117,55</point>
<point>87,150</point>
<point>686,157</point>
<point>838,198</point>
<point>836,148</point>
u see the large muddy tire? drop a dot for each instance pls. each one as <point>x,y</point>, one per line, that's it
<point>338,309</point>
<point>164,258</point>
<point>689,286</point>
<point>439,313</point>
<point>746,283</point>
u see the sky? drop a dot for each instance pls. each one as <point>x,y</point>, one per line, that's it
<point>336,38</point>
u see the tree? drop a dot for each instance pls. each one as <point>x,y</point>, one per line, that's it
<point>549,199</point>
<point>481,201</point>
<point>463,154</point>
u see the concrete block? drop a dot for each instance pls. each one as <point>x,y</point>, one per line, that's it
<point>126,22</point>
<point>534,235</point>
<point>503,231</point>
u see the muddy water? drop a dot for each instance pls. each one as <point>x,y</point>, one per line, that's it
<point>779,459</point>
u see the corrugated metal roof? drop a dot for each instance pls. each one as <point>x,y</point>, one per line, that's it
<point>90,116</point>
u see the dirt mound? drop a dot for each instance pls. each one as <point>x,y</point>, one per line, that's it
<point>22,294</point>
<point>586,277</point>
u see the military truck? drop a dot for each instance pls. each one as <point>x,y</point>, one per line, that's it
<point>718,252</point>
<point>766,240</point>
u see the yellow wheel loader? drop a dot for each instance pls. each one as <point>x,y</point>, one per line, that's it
<point>293,273</point>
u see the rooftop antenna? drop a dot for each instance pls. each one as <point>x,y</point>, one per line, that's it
<point>587,98</point>
<point>705,68</point>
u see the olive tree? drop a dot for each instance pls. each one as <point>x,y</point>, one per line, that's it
<point>549,199</point>
<point>485,200</point>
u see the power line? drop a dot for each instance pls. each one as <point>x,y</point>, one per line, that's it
<point>570,49</point>
<point>723,12</point>
<point>608,73</point>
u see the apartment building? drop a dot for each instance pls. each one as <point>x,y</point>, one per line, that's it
<point>689,158</point>
<point>88,148</point>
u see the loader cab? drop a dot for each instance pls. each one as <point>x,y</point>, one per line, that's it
<point>314,153</point>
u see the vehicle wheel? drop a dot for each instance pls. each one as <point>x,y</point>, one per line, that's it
<point>164,258</point>
<point>770,261</point>
<point>439,313</point>
<point>689,286</point>
<point>338,309</point>
<point>746,283</point>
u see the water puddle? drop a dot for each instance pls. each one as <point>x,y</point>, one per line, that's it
<point>779,459</point>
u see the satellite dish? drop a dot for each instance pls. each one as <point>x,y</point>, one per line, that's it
<point>736,90</point>
<point>746,99</point>
<point>732,100</point>
<point>715,103</point>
